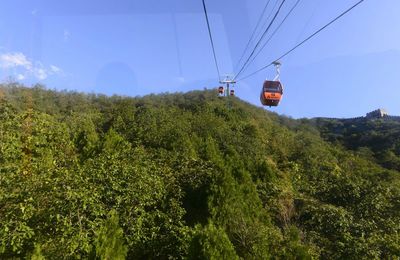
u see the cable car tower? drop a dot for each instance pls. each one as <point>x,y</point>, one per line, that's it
<point>228,90</point>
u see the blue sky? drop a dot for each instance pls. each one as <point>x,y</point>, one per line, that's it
<point>132,47</point>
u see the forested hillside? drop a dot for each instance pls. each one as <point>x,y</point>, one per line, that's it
<point>174,176</point>
<point>377,139</point>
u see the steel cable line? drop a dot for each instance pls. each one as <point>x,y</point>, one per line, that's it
<point>254,33</point>
<point>211,39</point>
<point>303,30</point>
<point>262,37</point>
<point>273,33</point>
<point>264,24</point>
<point>305,40</point>
<point>269,16</point>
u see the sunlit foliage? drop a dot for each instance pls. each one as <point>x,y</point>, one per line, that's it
<point>178,176</point>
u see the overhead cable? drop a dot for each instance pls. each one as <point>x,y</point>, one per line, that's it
<point>254,32</point>
<point>275,31</point>
<point>305,40</point>
<point>262,37</point>
<point>211,40</point>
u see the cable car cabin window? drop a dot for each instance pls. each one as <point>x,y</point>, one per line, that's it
<point>274,90</point>
<point>272,86</point>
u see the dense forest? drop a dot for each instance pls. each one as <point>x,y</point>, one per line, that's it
<point>375,138</point>
<point>190,176</point>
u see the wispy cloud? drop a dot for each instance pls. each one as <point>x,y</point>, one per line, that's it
<point>23,68</point>
<point>55,69</point>
<point>12,60</point>
<point>20,77</point>
<point>40,73</point>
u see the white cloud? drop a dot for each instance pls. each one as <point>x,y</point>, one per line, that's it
<point>12,60</point>
<point>55,69</point>
<point>40,73</point>
<point>22,67</point>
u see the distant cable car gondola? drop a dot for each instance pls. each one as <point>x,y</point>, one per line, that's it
<point>232,92</point>
<point>272,90</point>
<point>221,90</point>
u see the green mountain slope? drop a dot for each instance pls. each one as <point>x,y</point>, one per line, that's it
<point>183,176</point>
<point>374,138</point>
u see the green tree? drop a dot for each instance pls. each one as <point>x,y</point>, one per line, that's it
<point>211,242</point>
<point>109,241</point>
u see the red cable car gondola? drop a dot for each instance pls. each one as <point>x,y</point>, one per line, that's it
<point>221,90</point>
<point>272,90</point>
<point>232,92</point>
<point>271,93</point>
